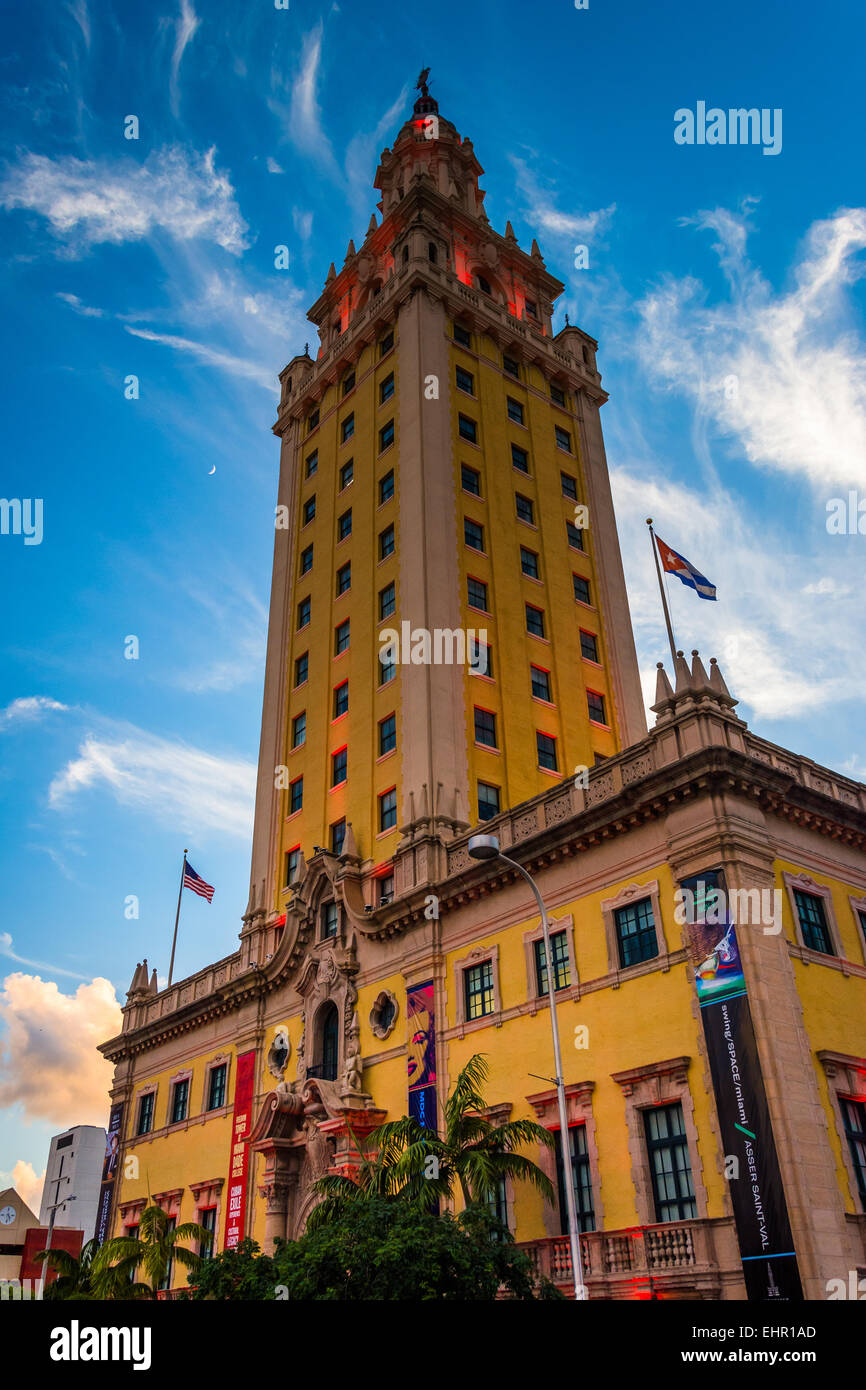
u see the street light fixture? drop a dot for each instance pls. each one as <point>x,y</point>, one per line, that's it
<point>486,847</point>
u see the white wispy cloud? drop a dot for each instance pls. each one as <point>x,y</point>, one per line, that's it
<point>179,785</point>
<point>87,202</point>
<point>27,709</point>
<point>542,212</point>
<point>78,10</point>
<point>185,27</point>
<point>213,357</point>
<point>6,949</point>
<point>781,374</point>
<point>87,311</point>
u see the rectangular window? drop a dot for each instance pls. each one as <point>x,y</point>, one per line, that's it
<point>347,429</point>
<point>207,1218</point>
<point>465,381</point>
<point>386,889</point>
<point>511,366</point>
<point>344,525</point>
<point>306,560</point>
<point>386,542</point>
<point>341,699</point>
<point>529,562</point>
<point>588,646</point>
<point>485,727</point>
<point>861,917</point>
<point>519,458</point>
<point>546,746</point>
<point>534,621</point>
<point>387,666</point>
<point>309,509</point>
<point>386,436</point>
<point>575,535</point>
<point>216,1091</point>
<point>387,734</point>
<point>386,487</point>
<point>581,588</point>
<point>671,1170</point>
<point>540,683</point>
<point>563,438</point>
<point>488,801</point>
<point>341,637</point>
<point>595,706</point>
<point>813,922</point>
<point>387,601</point>
<point>292,860</point>
<point>476,593</point>
<point>296,795</point>
<point>557,395</point>
<point>347,473</point>
<point>524,509</point>
<point>636,933</point>
<point>304,612</point>
<point>497,1205</point>
<point>388,809</point>
<point>312,462</point>
<point>312,421</point>
<point>339,763</point>
<point>338,835</point>
<point>386,344</point>
<point>470,480</point>
<point>299,729</point>
<point>179,1101</point>
<point>531,308</point>
<point>569,486</point>
<point>330,920</point>
<point>386,388</point>
<point>854,1118</point>
<point>478,983</point>
<point>480,658</point>
<point>582,1179</point>
<point>515,411</point>
<point>348,383</point>
<point>344,578</point>
<point>462,335</point>
<point>145,1113</point>
<point>468,428</point>
<point>473,534</point>
<point>561,965</point>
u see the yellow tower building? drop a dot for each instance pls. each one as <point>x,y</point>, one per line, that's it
<point>450,651</point>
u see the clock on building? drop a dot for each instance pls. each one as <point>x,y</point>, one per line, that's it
<point>7,1215</point>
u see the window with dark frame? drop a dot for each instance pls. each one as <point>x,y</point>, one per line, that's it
<point>813,922</point>
<point>388,810</point>
<point>575,535</point>
<point>581,588</point>
<point>476,594</point>
<point>304,612</point>
<point>519,458</point>
<point>339,767</point>
<point>386,436</point>
<point>145,1113</point>
<point>546,746</point>
<point>296,795</point>
<point>515,410</point>
<point>488,801</point>
<point>387,734</point>
<point>462,335</point>
<point>338,835</point>
<point>589,646</point>
<point>582,1179</point>
<point>511,366</point>
<point>386,388</point>
<point>342,635</point>
<point>540,683</point>
<point>524,508</point>
<point>468,429</point>
<point>473,534</point>
<point>179,1101</point>
<point>299,729</point>
<point>465,381</point>
<point>344,525</point>
<point>216,1097</point>
<point>348,383</point>
<point>347,429</point>
<point>563,438</point>
<point>386,487</point>
<point>569,486</point>
<point>595,707</point>
<point>302,669</point>
<point>387,601</point>
<point>470,480</point>
<point>309,511</point>
<point>386,344</point>
<point>529,562</point>
<point>387,666</point>
<point>330,921</point>
<point>312,463</point>
<point>386,542</point>
<point>478,986</point>
<point>292,863</point>
<point>557,395</point>
<point>561,963</point>
<point>344,578</point>
<point>347,473</point>
<point>312,421</point>
<point>854,1120</point>
<point>534,620</point>
<point>206,1218</point>
<point>669,1163</point>
<point>636,937</point>
<point>485,727</point>
<point>480,658</point>
<point>341,699</point>
<point>306,560</point>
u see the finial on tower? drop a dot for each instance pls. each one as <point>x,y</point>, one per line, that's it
<point>421,84</point>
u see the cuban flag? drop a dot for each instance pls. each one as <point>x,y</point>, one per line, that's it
<point>672,563</point>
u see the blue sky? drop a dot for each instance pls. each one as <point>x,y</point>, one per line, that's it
<point>724,286</point>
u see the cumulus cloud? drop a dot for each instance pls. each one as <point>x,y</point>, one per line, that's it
<point>28,708</point>
<point>86,202</point>
<point>49,1064</point>
<point>184,787</point>
<point>782,374</point>
<point>27,1183</point>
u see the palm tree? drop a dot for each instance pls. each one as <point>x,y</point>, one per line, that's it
<point>156,1248</point>
<point>416,1164</point>
<point>89,1276</point>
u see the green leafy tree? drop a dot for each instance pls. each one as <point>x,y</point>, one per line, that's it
<point>240,1273</point>
<point>417,1164</point>
<point>383,1248</point>
<point>158,1246</point>
<point>88,1276</point>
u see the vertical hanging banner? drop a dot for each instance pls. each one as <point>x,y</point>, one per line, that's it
<point>421,1064</point>
<point>109,1173</point>
<point>239,1156</point>
<point>754,1178</point>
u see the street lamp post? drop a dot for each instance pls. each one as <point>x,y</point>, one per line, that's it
<point>51,1214</point>
<point>487,847</point>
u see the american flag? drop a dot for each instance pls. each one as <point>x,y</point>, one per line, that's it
<point>193,880</point>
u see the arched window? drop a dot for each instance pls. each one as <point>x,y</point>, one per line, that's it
<point>328,1036</point>
<point>484,285</point>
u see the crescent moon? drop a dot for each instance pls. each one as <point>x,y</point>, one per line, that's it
<point>213,470</point>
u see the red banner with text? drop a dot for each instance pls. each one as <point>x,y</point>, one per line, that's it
<point>239,1157</point>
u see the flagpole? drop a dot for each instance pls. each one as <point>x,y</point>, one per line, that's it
<point>176,920</point>
<point>649,522</point>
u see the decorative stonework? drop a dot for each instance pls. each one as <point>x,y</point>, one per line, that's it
<point>557,810</point>
<point>659,1083</point>
<point>609,906</point>
<point>846,1080</point>
<point>805,884</point>
<point>385,1007</point>
<point>475,957</point>
<point>279,1053</point>
<point>578,1111</point>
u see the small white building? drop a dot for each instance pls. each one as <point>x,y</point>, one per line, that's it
<point>74,1168</point>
